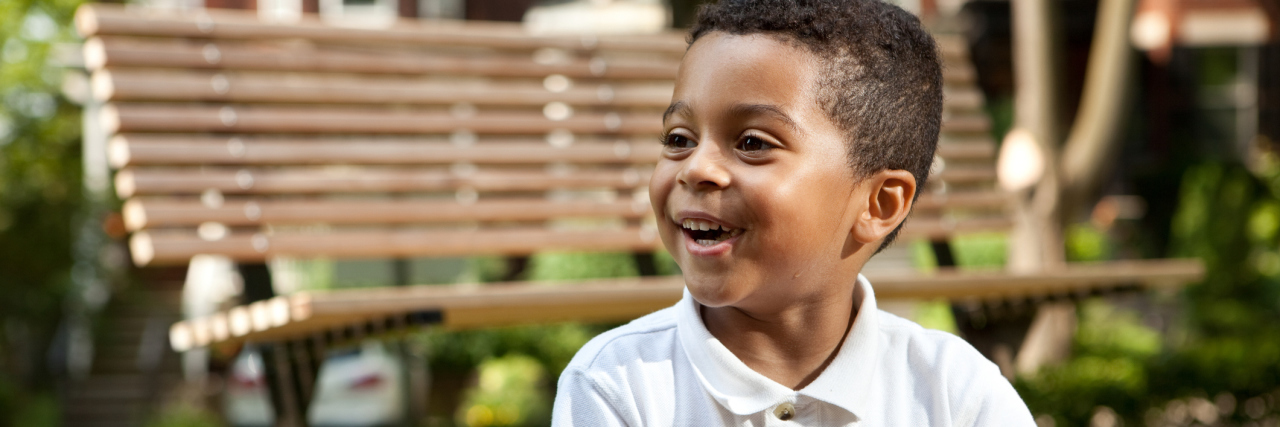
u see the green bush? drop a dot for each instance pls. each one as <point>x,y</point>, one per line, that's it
<point>515,351</point>
<point>1222,349</point>
<point>510,392</point>
<point>40,200</point>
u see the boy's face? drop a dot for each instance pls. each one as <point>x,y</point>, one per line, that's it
<point>750,150</point>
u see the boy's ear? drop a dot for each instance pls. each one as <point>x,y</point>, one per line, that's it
<point>889,195</point>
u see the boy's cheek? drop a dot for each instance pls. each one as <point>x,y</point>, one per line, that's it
<point>660,185</point>
<point>671,240</point>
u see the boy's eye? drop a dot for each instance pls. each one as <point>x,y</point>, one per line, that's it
<point>754,143</point>
<point>677,141</point>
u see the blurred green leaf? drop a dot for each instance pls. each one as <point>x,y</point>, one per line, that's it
<point>1086,243</point>
<point>510,392</point>
<point>40,200</point>
<point>980,250</point>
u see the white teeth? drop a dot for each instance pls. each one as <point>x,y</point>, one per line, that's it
<point>700,225</point>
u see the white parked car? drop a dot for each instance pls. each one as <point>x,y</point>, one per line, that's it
<point>360,386</point>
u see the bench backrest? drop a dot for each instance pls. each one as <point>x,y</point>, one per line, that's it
<point>251,139</point>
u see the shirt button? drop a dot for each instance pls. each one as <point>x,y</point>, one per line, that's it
<point>785,412</point>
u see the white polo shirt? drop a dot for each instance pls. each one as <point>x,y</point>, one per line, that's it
<point>666,369</point>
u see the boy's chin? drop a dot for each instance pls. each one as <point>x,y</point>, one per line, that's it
<point>714,291</point>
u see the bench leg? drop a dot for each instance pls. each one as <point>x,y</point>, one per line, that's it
<point>942,253</point>
<point>646,264</point>
<point>516,266</point>
<point>290,367</point>
<point>995,331</point>
<point>415,376</point>
<point>417,380</point>
<point>1049,337</point>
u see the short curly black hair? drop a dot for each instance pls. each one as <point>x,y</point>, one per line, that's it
<point>882,80</point>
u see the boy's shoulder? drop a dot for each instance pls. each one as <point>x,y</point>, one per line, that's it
<point>929,348</point>
<point>639,371</point>
<point>897,327</point>
<point>914,349</point>
<point>653,333</point>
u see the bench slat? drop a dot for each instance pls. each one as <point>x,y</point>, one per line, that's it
<point>614,300</point>
<point>102,19</point>
<point>151,149</point>
<point>969,123</point>
<point>987,199</point>
<point>966,149</point>
<point>348,120</point>
<point>129,117</point>
<point>132,85</point>
<point>131,182</point>
<point>945,227</point>
<point>142,214</point>
<point>141,149</point>
<point>143,181</point>
<point>967,175</point>
<point>962,98</point>
<point>169,247</point>
<point>126,84</point>
<point>105,52</point>
<point>178,247</point>
<point>946,283</point>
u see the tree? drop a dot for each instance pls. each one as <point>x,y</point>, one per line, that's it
<point>39,201</point>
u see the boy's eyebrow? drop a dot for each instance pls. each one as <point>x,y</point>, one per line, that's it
<point>680,107</point>
<point>768,110</point>
<point>676,107</point>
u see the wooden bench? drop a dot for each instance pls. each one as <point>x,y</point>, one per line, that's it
<point>255,140</point>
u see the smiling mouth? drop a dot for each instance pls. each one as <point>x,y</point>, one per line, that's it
<point>707,233</point>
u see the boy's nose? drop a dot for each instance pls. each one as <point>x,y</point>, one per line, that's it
<point>704,169</point>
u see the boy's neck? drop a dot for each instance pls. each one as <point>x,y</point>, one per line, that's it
<point>792,345</point>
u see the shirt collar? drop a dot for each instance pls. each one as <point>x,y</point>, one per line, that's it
<point>845,383</point>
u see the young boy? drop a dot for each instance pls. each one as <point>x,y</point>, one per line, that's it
<point>798,136</point>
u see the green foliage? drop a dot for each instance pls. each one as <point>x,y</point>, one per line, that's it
<point>971,251</point>
<point>937,315</point>
<point>1107,331</point>
<point>1084,243</point>
<point>510,392</point>
<point>1230,338</point>
<point>184,415</point>
<point>553,345</point>
<point>1001,112</point>
<point>572,266</point>
<point>577,266</point>
<point>39,161</point>
<point>484,269</point>
<point>980,250</point>
<point>1226,340</point>
<point>1227,220</point>
<point>39,201</point>
<point>26,408</point>
<point>509,352</point>
<point>922,257</point>
<point>1112,350</point>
